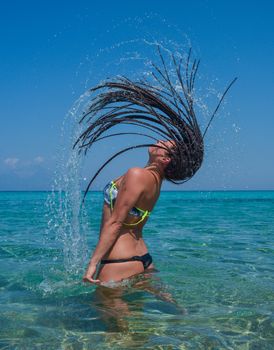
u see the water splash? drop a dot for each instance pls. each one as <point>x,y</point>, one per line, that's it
<point>67,219</point>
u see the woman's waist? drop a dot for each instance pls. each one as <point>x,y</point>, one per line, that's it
<point>126,247</point>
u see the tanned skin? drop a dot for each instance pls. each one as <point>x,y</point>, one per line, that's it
<point>139,187</point>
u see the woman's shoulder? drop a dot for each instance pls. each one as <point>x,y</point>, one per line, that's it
<point>136,172</point>
<point>138,176</point>
<point>135,175</point>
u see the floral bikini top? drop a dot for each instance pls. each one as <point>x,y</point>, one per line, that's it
<point>110,194</point>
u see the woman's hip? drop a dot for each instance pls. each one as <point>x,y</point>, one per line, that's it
<point>118,269</point>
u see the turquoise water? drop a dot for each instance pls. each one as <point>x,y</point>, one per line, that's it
<point>214,289</point>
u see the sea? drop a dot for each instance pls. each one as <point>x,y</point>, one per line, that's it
<point>213,288</point>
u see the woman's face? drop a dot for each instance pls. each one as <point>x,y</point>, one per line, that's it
<point>160,152</point>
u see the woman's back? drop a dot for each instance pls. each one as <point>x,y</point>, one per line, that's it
<point>130,243</point>
<point>148,195</point>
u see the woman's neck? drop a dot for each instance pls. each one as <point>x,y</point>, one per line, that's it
<point>156,169</point>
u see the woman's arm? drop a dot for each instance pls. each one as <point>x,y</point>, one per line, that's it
<point>130,191</point>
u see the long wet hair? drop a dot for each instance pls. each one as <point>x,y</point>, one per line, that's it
<point>166,110</point>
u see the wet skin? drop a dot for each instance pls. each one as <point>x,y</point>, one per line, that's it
<point>138,187</point>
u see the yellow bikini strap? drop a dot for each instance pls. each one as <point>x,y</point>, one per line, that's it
<point>145,212</point>
<point>110,194</point>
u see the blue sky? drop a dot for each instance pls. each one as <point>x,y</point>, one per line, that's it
<point>51,52</point>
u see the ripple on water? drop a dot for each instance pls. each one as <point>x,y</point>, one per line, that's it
<point>214,289</point>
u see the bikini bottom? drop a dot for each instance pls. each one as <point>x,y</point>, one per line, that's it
<point>145,259</point>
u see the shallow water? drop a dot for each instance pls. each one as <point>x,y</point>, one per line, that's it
<point>214,289</point>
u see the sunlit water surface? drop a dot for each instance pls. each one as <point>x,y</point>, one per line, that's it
<point>214,289</point>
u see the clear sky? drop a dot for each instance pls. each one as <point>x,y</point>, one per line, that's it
<point>52,51</point>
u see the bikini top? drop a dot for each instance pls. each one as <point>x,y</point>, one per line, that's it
<point>110,194</point>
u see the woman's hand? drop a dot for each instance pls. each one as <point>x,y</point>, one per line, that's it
<point>90,272</point>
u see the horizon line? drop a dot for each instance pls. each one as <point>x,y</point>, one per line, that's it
<point>186,190</point>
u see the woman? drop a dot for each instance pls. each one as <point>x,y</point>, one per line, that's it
<point>121,248</point>
<point>167,110</point>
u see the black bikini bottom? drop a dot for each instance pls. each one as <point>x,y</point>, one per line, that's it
<point>145,259</point>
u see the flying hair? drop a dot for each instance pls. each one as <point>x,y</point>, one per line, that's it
<point>160,109</point>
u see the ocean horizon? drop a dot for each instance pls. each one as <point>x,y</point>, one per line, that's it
<point>185,190</point>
